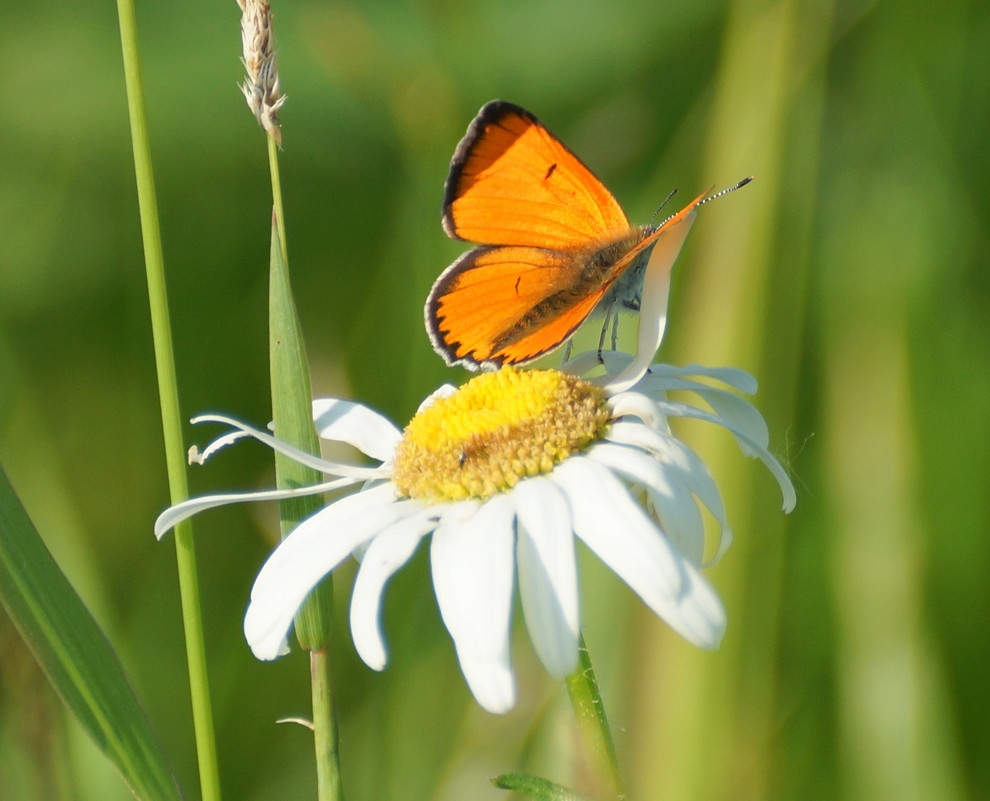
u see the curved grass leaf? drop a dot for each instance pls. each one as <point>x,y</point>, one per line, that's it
<point>75,655</point>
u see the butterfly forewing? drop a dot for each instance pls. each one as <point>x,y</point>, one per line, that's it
<point>512,182</point>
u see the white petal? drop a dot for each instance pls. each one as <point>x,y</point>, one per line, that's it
<point>602,509</point>
<point>472,561</point>
<point>733,376</point>
<point>688,465</point>
<point>636,404</point>
<point>662,383</point>
<point>674,502</point>
<point>197,456</point>
<point>671,451</point>
<point>747,445</point>
<point>357,425</point>
<point>653,309</point>
<point>292,452</point>
<point>314,548</point>
<point>548,574</point>
<point>610,522</point>
<point>739,412</point>
<point>174,515</point>
<point>387,552</point>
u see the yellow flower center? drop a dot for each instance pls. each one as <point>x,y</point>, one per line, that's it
<point>495,430</point>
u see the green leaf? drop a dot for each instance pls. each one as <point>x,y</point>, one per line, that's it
<point>74,653</point>
<point>535,787</point>
<point>292,413</point>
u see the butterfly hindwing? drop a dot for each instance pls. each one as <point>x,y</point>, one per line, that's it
<point>504,305</point>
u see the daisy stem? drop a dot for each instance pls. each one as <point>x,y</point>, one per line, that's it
<point>586,699</point>
<point>292,413</point>
<point>175,456</point>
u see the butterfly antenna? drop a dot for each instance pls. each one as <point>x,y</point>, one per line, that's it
<point>666,200</point>
<point>726,191</point>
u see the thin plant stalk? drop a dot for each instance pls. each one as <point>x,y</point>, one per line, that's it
<point>586,699</point>
<point>175,454</point>
<point>279,209</point>
<point>292,396</point>
<point>292,415</point>
<point>325,733</point>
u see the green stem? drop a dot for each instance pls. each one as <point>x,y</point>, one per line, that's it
<point>293,417</point>
<point>586,699</point>
<point>325,728</point>
<point>277,196</point>
<point>175,455</point>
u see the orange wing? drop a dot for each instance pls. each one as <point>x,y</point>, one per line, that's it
<point>505,305</point>
<point>512,182</point>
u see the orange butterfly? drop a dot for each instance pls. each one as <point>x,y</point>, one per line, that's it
<point>554,244</point>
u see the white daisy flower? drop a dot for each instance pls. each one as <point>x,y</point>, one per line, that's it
<point>503,476</point>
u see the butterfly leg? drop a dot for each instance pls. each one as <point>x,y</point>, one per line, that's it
<point>610,315</point>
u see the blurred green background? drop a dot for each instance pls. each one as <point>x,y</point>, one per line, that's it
<point>851,278</point>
